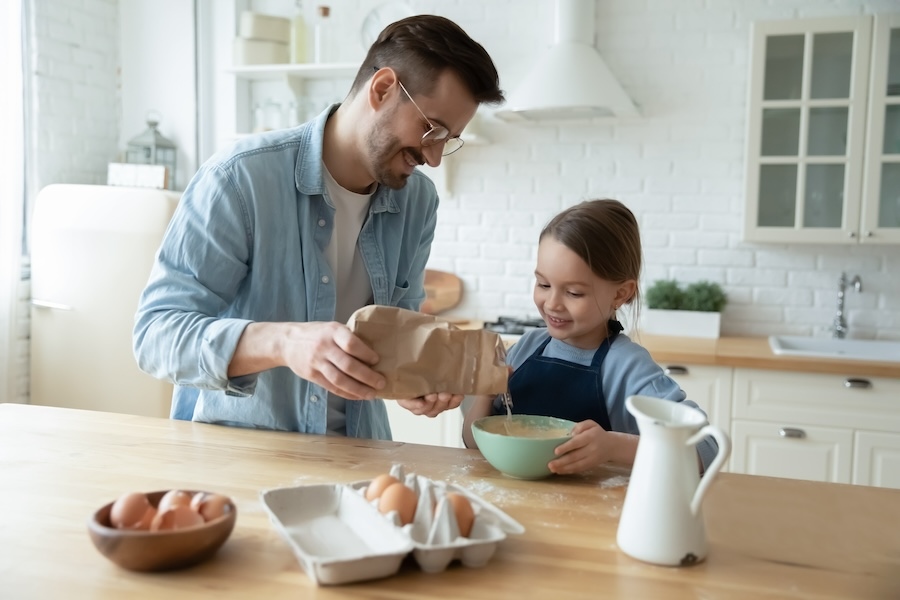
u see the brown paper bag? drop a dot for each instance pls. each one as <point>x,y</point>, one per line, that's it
<point>421,354</point>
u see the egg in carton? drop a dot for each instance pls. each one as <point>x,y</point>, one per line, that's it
<point>435,527</point>
<point>339,537</point>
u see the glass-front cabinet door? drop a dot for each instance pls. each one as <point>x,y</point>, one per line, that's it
<point>808,139</point>
<point>881,197</point>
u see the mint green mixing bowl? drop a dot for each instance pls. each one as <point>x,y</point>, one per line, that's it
<point>521,456</point>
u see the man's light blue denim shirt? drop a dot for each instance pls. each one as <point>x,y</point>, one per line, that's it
<point>247,244</point>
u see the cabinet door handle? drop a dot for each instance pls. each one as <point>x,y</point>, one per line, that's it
<point>792,432</point>
<point>857,382</point>
<point>676,370</point>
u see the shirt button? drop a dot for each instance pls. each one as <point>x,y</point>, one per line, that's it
<point>321,222</point>
<point>325,279</point>
<point>313,398</point>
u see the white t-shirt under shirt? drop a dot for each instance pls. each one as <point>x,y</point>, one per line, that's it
<point>352,286</point>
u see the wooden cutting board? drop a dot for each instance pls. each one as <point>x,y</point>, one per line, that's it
<point>443,291</point>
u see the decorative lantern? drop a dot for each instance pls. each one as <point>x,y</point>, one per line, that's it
<point>151,148</point>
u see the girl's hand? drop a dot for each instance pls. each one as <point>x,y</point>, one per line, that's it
<point>592,446</point>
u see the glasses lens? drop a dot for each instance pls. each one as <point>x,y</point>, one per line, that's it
<point>436,136</point>
<point>452,145</point>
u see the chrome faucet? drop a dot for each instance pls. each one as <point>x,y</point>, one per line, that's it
<point>839,327</point>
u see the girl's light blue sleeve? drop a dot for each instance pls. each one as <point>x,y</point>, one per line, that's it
<point>629,370</point>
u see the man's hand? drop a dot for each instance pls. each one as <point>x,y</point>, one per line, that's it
<point>431,405</point>
<point>325,353</point>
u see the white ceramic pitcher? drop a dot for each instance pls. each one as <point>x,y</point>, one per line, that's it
<point>661,520</point>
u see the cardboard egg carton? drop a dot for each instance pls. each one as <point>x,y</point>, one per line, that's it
<point>340,537</point>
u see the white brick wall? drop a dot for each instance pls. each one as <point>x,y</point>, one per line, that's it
<point>680,167</point>
<point>73,74</point>
<point>73,112</point>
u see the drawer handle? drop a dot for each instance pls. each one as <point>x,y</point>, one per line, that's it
<point>858,383</point>
<point>676,370</point>
<point>792,432</point>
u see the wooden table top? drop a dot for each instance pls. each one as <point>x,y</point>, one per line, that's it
<point>768,537</point>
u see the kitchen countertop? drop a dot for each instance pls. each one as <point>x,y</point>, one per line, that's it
<point>768,537</point>
<point>753,352</point>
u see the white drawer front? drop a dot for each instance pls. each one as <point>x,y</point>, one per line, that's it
<point>817,399</point>
<point>821,454</point>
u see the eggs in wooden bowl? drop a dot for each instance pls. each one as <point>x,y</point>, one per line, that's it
<point>162,530</point>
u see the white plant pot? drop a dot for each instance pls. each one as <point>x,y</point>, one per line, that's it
<point>682,323</point>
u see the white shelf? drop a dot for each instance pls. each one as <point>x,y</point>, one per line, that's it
<point>294,75</point>
<point>298,71</point>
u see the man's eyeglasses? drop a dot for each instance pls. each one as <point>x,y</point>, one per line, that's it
<point>438,134</point>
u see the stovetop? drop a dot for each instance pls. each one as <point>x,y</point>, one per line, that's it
<point>513,325</point>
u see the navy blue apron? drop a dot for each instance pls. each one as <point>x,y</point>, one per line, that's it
<point>554,387</point>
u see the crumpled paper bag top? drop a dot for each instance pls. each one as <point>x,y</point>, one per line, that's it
<point>421,354</point>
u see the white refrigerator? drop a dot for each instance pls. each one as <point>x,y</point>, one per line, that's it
<point>92,248</point>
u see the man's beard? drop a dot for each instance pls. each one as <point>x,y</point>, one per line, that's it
<point>381,148</point>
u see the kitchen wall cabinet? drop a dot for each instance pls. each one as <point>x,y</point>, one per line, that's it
<point>818,170</point>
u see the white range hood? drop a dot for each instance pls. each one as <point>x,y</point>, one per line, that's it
<point>570,80</point>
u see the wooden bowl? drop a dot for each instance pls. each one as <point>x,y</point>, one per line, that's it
<point>159,550</point>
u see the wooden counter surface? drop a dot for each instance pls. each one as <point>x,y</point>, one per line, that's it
<point>769,537</point>
<point>753,352</point>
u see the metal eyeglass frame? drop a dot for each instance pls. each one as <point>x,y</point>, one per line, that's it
<point>438,134</point>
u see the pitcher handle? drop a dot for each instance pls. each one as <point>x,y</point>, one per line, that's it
<point>721,456</point>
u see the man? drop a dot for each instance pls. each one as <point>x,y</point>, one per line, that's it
<point>275,244</point>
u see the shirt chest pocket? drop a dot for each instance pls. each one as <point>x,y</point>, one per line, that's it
<point>399,293</point>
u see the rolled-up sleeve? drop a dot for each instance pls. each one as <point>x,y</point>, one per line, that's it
<point>181,333</point>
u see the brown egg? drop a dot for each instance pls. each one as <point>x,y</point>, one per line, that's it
<point>174,498</point>
<point>147,520</point>
<point>398,497</point>
<point>210,506</point>
<point>177,517</point>
<point>378,485</point>
<point>128,510</point>
<point>462,509</point>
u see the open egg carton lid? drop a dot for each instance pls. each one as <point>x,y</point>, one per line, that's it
<point>340,537</point>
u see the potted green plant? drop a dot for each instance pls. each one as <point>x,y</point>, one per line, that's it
<point>690,311</point>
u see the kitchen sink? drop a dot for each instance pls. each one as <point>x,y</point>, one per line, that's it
<point>877,350</point>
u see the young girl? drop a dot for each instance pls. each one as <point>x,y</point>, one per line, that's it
<point>581,367</point>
